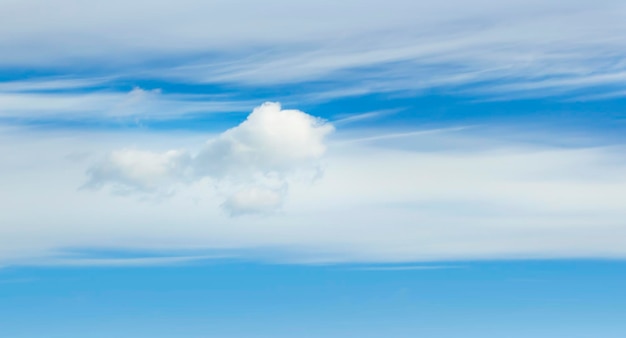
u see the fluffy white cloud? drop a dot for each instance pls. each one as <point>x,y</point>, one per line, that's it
<point>250,163</point>
<point>270,140</point>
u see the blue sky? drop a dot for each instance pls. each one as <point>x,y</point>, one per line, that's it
<point>305,169</point>
<point>235,299</point>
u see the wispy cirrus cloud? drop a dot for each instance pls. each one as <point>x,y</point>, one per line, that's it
<point>28,103</point>
<point>523,47</point>
<point>52,84</point>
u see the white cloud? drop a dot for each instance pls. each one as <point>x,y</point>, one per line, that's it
<point>51,84</point>
<point>50,99</point>
<point>453,194</point>
<point>271,140</point>
<point>130,169</point>
<point>254,159</point>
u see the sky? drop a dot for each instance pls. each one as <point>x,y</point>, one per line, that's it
<point>312,168</point>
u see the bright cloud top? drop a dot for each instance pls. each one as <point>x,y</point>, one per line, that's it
<point>250,164</point>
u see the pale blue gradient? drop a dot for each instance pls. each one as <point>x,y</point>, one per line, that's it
<point>237,299</point>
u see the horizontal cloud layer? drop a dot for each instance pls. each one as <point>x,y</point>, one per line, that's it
<point>449,194</point>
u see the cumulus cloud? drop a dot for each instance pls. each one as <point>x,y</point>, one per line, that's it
<point>271,140</point>
<point>250,164</point>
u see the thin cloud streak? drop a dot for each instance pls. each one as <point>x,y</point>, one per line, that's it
<point>111,106</point>
<point>121,262</point>
<point>407,268</point>
<point>524,47</point>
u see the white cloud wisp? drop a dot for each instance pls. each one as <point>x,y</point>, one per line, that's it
<point>523,47</point>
